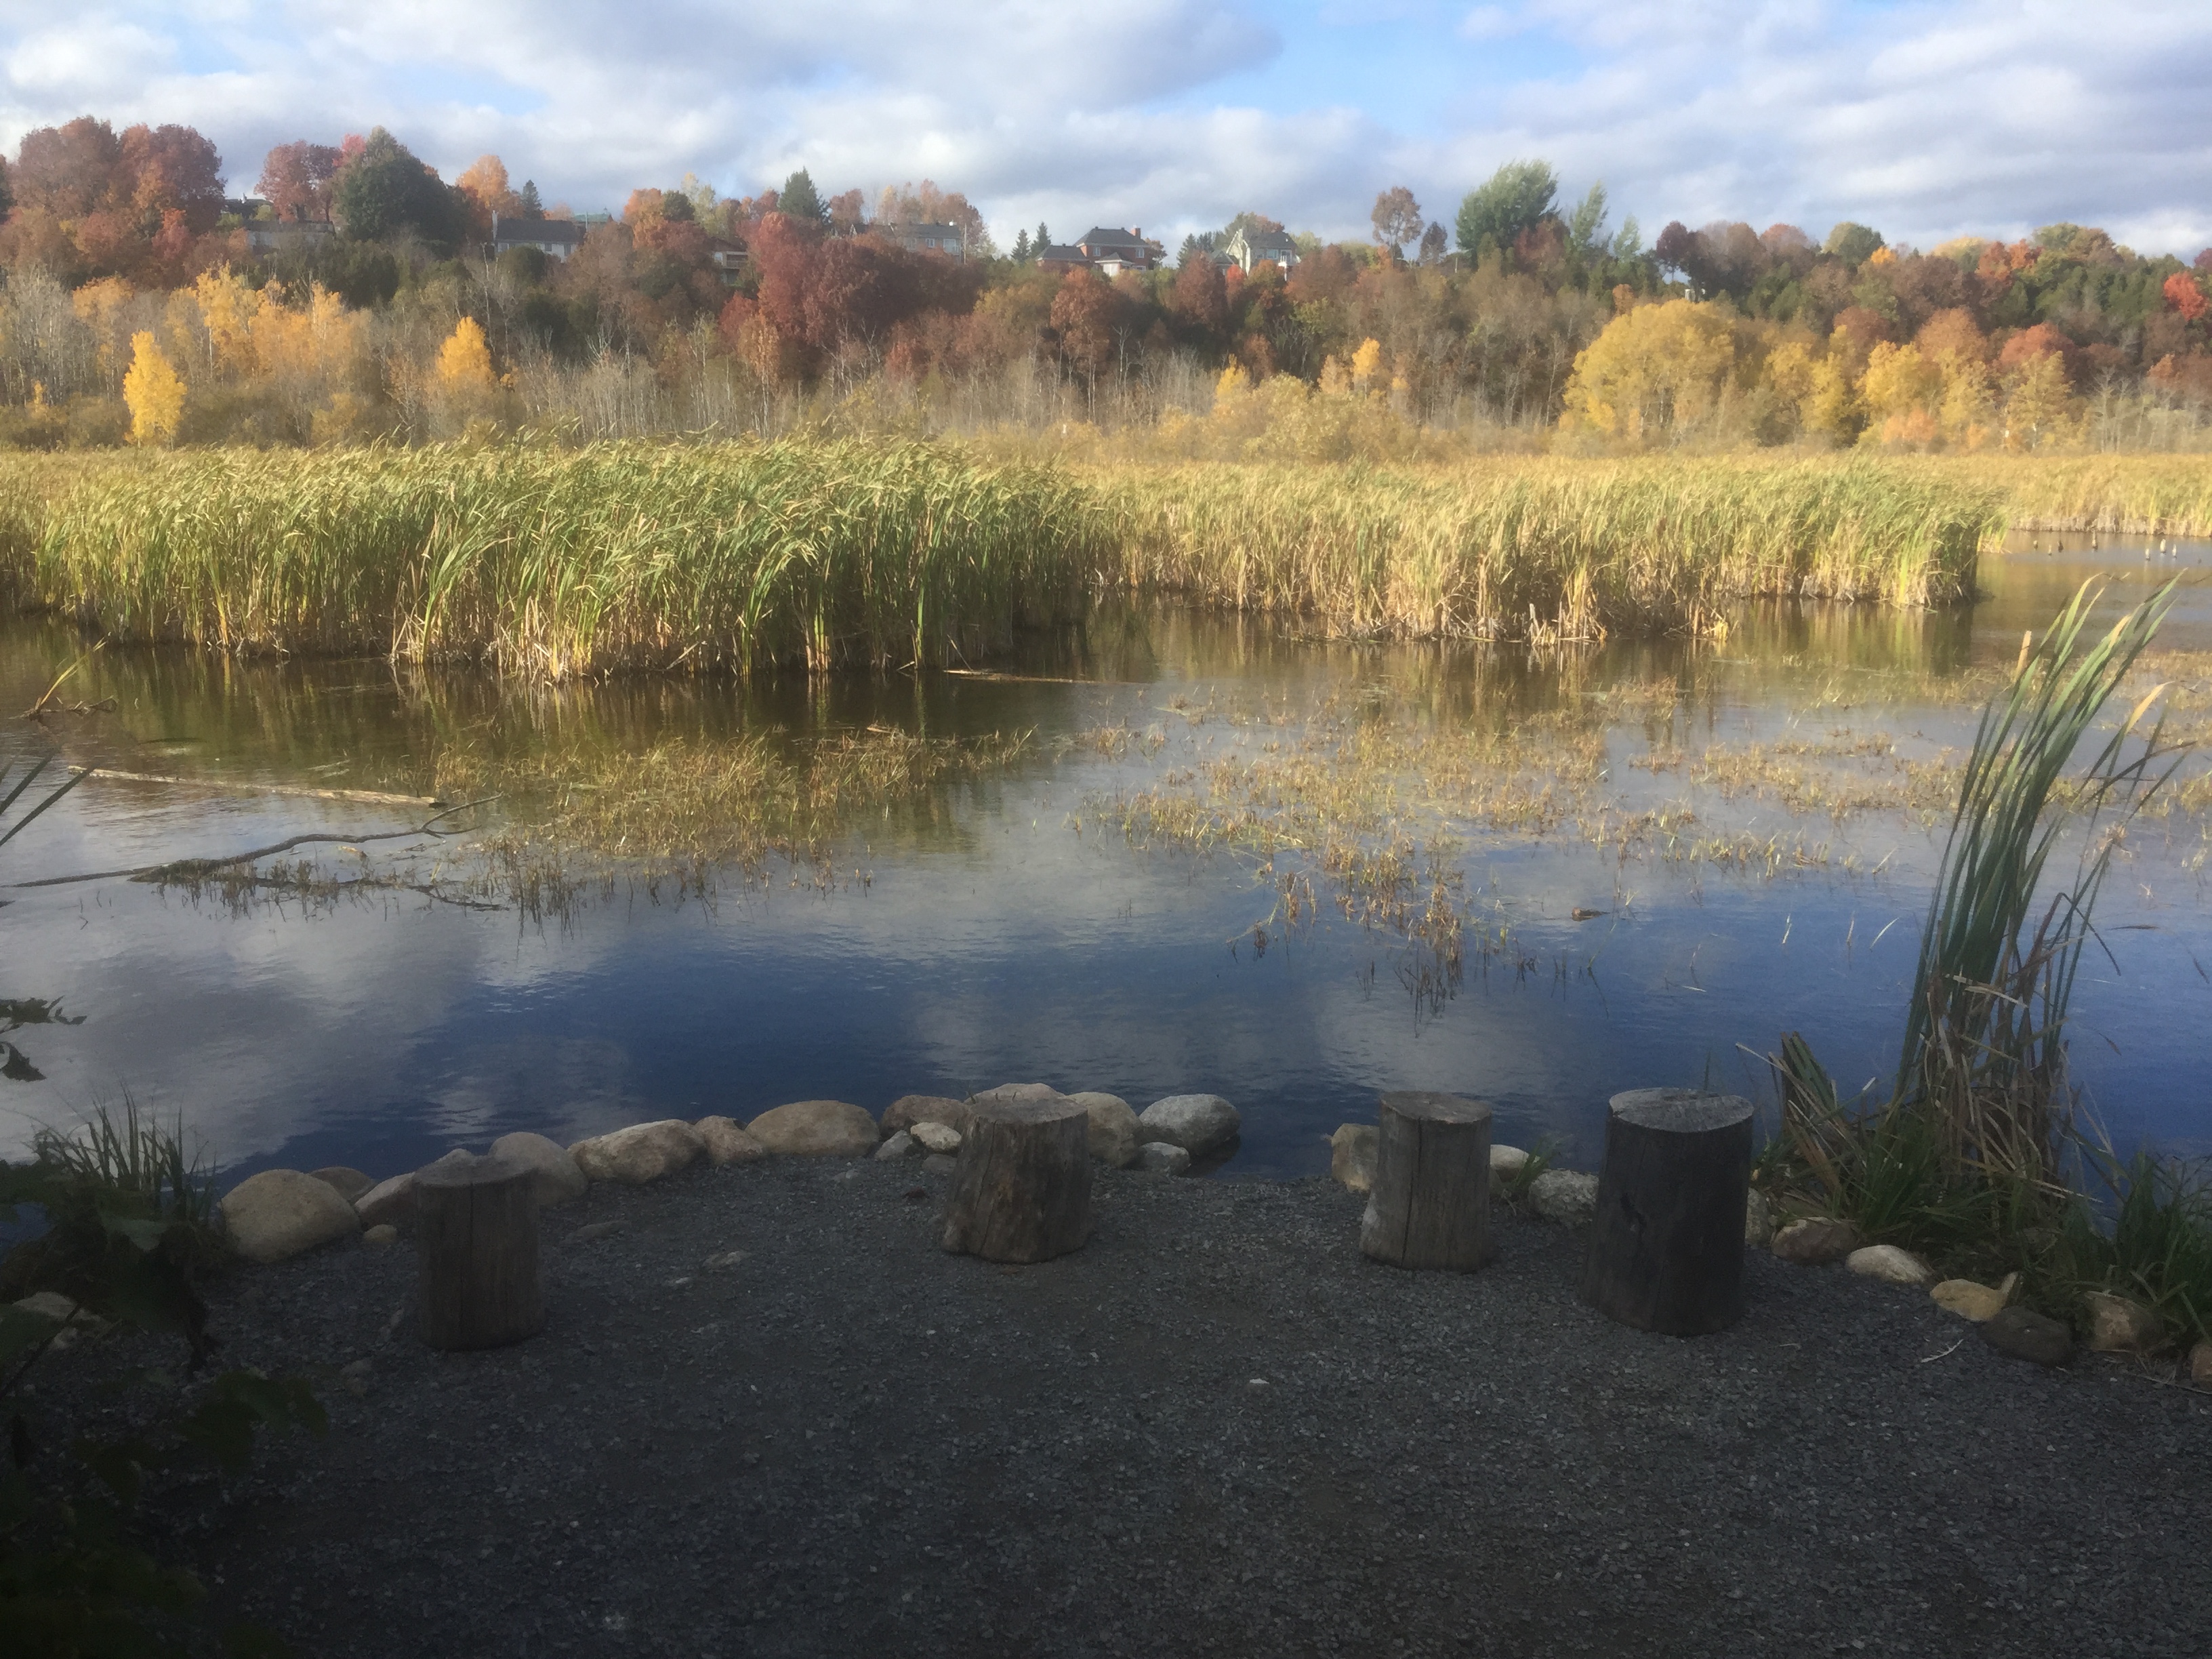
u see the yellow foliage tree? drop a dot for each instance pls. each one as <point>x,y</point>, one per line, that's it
<point>1657,372</point>
<point>1818,387</point>
<point>464,361</point>
<point>1970,402</point>
<point>100,306</point>
<point>2039,414</point>
<point>1365,363</point>
<point>1898,389</point>
<point>154,392</point>
<point>227,310</point>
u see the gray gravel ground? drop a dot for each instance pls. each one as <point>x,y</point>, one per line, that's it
<point>1217,1429</point>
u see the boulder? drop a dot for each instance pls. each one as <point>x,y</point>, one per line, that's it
<point>394,1201</point>
<point>1198,1123</point>
<point>909,1109</point>
<point>280,1212</point>
<point>1758,1220</point>
<point>554,1176</point>
<point>1114,1137</point>
<point>350,1183</point>
<point>1566,1196</point>
<point>896,1148</point>
<point>1890,1265</point>
<point>641,1153</point>
<point>1506,1163</point>
<point>1352,1156</point>
<point>1163,1157</point>
<point>54,1306</point>
<point>1971,1300</point>
<point>1816,1240</point>
<point>815,1128</point>
<point>2023,1334</point>
<point>383,1233</point>
<point>937,1138</point>
<point>2118,1325</point>
<point>1010,1094</point>
<point>726,1143</point>
<point>2200,1365</point>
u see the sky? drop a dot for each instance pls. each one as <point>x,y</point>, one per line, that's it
<point>1927,120</point>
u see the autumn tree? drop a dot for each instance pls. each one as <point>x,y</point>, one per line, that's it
<point>1515,197</point>
<point>295,180</point>
<point>465,360</point>
<point>154,391</point>
<point>1397,218</point>
<point>2185,295</point>
<point>1655,373</point>
<point>483,185</point>
<point>1082,316</point>
<point>1434,244</point>
<point>1199,298</point>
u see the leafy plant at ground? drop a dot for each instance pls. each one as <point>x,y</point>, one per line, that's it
<point>129,1236</point>
<point>1974,1156</point>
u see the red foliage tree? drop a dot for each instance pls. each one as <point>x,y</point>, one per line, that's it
<point>2184,294</point>
<point>1199,299</point>
<point>295,180</point>
<point>2041,341</point>
<point>1084,312</point>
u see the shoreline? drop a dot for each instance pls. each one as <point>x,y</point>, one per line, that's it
<point>768,1414</point>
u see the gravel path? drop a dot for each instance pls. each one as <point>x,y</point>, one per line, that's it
<point>1215,1430</point>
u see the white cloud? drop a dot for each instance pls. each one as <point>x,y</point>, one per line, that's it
<point>1924,119</point>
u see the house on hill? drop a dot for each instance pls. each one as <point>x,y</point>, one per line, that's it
<point>1109,251</point>
<point>1248,249</point>
<point>556,239</point>
<point>946,239</point>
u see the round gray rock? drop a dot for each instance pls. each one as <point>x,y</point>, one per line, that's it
<point>909,1109</point>
<point>815,1128</point>
<point>1114,1137</point>
<point>280,1212</point>
<point>1566,1196</point>
<point>896,1148</point>
<point>1163,1157</point>
<point>1198,1123</point>
<point>350,1183</point>
<point>643,1152</point>
<point>726,1143</point>
<point>554,1176</point>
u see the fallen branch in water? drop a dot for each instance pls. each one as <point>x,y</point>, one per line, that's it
<point>230,786</point>
<point>186,869</point>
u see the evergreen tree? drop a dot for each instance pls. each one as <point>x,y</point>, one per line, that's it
<point>533,206</point>
<point>798,200</point>
<point>1044,239</point>
<point>1021,244</point>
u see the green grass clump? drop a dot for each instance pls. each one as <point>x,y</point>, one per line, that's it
<point>1516,549</point>
<point>551,562</point>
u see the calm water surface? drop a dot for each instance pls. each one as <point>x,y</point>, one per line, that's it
<point>1002,935</point>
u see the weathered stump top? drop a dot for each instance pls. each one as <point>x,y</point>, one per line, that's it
<point>485,1170</point>
<point>1435,1108</point>
<point>1680,1111</point>
<point>1029,1111</point>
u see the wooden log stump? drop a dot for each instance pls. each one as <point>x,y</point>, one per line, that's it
<point>475,1236</point>
<point>1429,1205</point>
<point>1666,1250</point>
<point>1022,1190</point>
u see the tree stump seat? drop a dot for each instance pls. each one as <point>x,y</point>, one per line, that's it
<point>476,1240</point>
<point>1666,1250</point>
<point>1430,1203</point>
<point>1021,1190</point>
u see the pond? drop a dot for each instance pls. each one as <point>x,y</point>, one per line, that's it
<point>1293,872</point>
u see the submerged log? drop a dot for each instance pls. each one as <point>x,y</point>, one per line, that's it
<point>1666,1249</point>
<point>475,1236</point>
<point>1429,1205</point>
<point>1021,1191</point>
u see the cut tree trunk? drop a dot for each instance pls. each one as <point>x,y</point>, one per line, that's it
<point>475,1236</point>
<point>1429,1205</point>
<point>1021,1191</point>
<point>1666,1250</point>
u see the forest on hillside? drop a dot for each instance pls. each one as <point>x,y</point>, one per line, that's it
<point>355,295</point>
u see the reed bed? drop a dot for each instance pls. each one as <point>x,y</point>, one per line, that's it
<point>2134,495</point>
<point>1545,550</point>
<point>552,563</point>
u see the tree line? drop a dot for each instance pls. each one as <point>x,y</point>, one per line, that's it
<point>357,294</point>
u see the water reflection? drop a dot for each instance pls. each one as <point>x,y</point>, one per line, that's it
<point>994,939</point>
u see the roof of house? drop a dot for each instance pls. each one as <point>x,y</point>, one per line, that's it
<point>1256,240</point>
<point>1110,236</point>
<point>1062,254</point>
<point>504,229</point>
